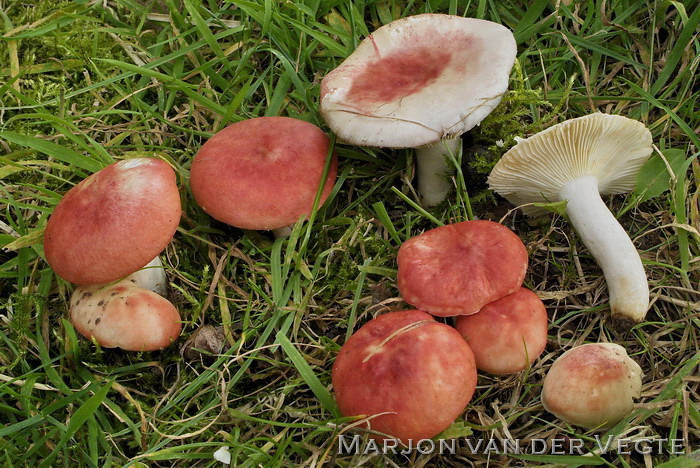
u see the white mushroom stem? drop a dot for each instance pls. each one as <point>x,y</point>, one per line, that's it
<point>285,231</point>
<point>611,246</point>
<point>434,170</point>
<point>152,276</point>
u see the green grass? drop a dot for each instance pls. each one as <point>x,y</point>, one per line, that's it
<point>85,83</point>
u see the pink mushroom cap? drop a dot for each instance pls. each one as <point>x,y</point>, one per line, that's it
<point>114,222</point>
<point>459,268</point>
<point>508,334</point>
<point>262,173</point>
<point>412,374</point>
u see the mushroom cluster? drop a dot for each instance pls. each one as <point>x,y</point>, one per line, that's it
<point>395,91</point>
<point>111,225</point>
<point>407,374</point>
<point>577,161</point>
<point>405,371</point>
<point>475,270</point>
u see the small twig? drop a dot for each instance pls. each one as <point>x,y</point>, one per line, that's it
<point>8,229</point>
<point>680,302</point>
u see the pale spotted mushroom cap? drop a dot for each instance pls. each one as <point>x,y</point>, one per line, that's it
<point>417,80</point>
<point>611,148</point>
<point>124,315</point>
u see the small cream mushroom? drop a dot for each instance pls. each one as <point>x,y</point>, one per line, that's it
<point>592,386</point>
<point>123,315</point>
<point>578,161</point>
<point>420,82</point>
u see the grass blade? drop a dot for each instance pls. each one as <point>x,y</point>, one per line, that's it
<point>81,415</point>
<point>52,149</point>
<point>308,375</point>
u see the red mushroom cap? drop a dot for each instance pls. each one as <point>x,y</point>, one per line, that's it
<point>262,173</point>
<point>508,334</point>
<point>123,315</point>
<point>406,364</point>
<point>114,222</point>
<point>459,268</point>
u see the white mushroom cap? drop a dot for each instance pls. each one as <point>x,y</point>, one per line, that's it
<point>418,80</point>
<point>610,148</point>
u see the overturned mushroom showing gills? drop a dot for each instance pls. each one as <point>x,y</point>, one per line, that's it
<point>124,315</point>
<point>592,386</point>
<point>420,82</point>
<point>409,374</point>
<point>459,268</point>
<point>578,161</point>
<point>263,173</point>
<point>114,222</point>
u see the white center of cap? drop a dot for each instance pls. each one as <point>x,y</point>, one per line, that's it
<point>131,163</point>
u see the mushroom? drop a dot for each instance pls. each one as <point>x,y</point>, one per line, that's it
<point>129,314</point>
<point>262,173</point>
<point>124,315</point>
<point>508,334</point>
<point>114,222</point>
<point>459,268</point>
<point>420,82</point>
<point>592,385</point>
<point>578,161</point>
<point>410,375</point>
